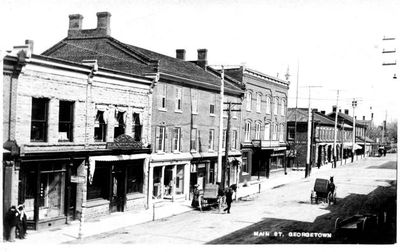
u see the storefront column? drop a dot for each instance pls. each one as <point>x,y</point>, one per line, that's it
<point>162,181</point>
<point>174,182</point>
<point>186,180</point>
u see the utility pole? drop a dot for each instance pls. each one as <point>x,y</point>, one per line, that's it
<point>1,158</point>
<point>221,125</point>
<point>226,168</point>
<point>335,132</point>
<point>309,125</point>
<point>295,118</point>
<point>354,105</point>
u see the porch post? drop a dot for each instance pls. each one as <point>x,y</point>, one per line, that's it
<point>162,181</point>
<point>149,171</point>
<point>174,182</point>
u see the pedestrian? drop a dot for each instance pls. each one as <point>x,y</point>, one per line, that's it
<point>228,199</point>
<point>21,222</point>
<point>220,195</point>
<point>11,220</point>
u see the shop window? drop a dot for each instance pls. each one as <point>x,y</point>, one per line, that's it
<point>135,179</point>
<point>244,162</point>
<point>291,133</point>
<point>100,127</point>
<point>160,139</point>
<point>99,189</point>
<point>65,121</point>
<point>211,179</point>
<point>136,127</point>
<point>39,119</point>
<point>119,126</point>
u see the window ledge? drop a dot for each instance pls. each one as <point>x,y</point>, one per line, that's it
<point>176,152</point>
<point>213,115</point>
<point>160,152</point>
<point>179,111</point>
<point>162,109</point>
<point>96,202</point>
<point>195,113</point>
<point>193,151</point>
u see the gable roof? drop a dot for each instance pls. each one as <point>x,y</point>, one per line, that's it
<point>348,119</point>
<point>302,116</point>
<point>113,54</point>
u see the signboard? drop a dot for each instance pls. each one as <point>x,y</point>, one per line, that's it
<point>124,142</point>
<point>78,179</point>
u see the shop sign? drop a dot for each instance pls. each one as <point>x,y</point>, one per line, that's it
<point>124,142</point>
<point>193,168</point>
<point>78,179</point>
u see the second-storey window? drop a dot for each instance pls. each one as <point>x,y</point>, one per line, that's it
<point>258,104</point>
<point>212,109</point>
<point>283,107</point>
<point>39,119</point>
<point>194,101</point>
<point>65,121</point>
<point>267,131</point>
<point>178,99</point>
<point>160,138</point>
<point>193,139</point>
<point>223,138</point>
<point>247,131</point>
<point>258,131</point>
<point>176,139</point>
<point>100,127</point>
<point>268,103</point>
<point>276,102</point>
<point>211,139</point>
<point>234,139</point>
<point>119,126</point>
<point>136,127</point>
<point>281,131</point>
<point>274,131</point>
<point>163,99</point>
<point>291,132</point>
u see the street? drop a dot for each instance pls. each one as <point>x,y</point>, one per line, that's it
<point>283,214</point>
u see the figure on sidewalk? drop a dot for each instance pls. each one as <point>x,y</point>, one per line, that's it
<point>21,222</point>
<point>221,195</point>
<point>228,196</point>
<point>11,221</point>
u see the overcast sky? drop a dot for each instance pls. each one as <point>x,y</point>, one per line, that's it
<point>336,44</point>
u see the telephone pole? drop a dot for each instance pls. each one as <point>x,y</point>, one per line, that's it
<point>335,132</point>
<point>226,168</point>
<point>354,105</point>
<point>221,125</point>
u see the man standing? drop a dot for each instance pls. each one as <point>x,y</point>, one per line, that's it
<point>228,199</point>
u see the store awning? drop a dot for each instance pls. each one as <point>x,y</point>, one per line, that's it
<point>350,146</point>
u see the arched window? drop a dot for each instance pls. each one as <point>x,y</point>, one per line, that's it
<point>268,108</point>
<point>267,131</point>
<point>247,131</point>
<point>248,101</point>
<point>258,131</point>
<point>258,104</point>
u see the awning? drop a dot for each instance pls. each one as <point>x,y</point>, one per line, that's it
<point>350,146</point>
<point>235,159</point>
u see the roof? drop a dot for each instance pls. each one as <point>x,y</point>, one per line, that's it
<point>348,118</point>
<point>302,116</point>
<point>113,54</point>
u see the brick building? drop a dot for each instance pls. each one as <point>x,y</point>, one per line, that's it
<point>322,137</point>
<point>185,105</point>
<point>263,139</point>
<point>77,134</point>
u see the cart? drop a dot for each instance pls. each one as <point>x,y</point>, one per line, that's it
<point>207,198</point>
<point>321,192</point>
<point>358,226</point>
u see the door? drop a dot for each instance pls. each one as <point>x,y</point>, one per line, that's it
<point>118,183</point>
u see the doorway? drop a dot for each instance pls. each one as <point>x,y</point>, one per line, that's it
<point>117,189</point>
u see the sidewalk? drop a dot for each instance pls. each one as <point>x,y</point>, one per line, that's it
<point>69,232</point>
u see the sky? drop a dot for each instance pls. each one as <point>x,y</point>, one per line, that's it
<point>331,45</point>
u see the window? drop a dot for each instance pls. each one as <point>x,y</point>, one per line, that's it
<point>276,105</point>
<point>283,107</point>
<point>178,99</point>
<point>281,131</point>
<point>274,132</point>
<point>224,139</point>
<point>136,127</point>
<point>65,121</point>
<point>212,173</point>
<point>176,139</point>
<point>99,188</point>
<point>244,162</point>
<point>258,131</point>
<point>291,132</point>
<point>211,140</point>
<point>268,109</point>
<point>100,127</point>
<point>160,139</point>
<point>163,100</point>
<point>193,139</point>
<point>234,139</point>
<point>135,177</point>
<point>119,125</point>
<point>267,132</point>
<point>194,101</point>
<point>247,131</point>
<point>248,101</point>
<point>258,104</point>
<point>39,119</point>
<point>212,109</point>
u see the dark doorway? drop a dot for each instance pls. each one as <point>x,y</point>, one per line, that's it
<point>118,184</point>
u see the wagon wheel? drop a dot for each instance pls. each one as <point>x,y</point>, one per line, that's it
<point>336,223</point>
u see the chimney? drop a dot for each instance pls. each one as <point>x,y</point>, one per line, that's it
<point>75,24</point>
<point>180,54</point>
<point>323,112</point>
<point>355,117</point>
<point>372,116</point>
<point>333,109</point>
<point>363,118</point>
<point>340,110</point>
<point>202,58</point>
<point>103,22</point>
<point>346,111</point>
<point>29,43</point>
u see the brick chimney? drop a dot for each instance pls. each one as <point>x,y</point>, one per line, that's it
<point>103,22</point>
<point>372,116</point>
<point>333,109</point>
<point>29,43</point>
<point>75,24</point>
<point>202,58</point>
<point>340,110</point>
<point>346,111</point>
<point>363,118</point>
<point>323,112</point>
<point>180,54</point>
